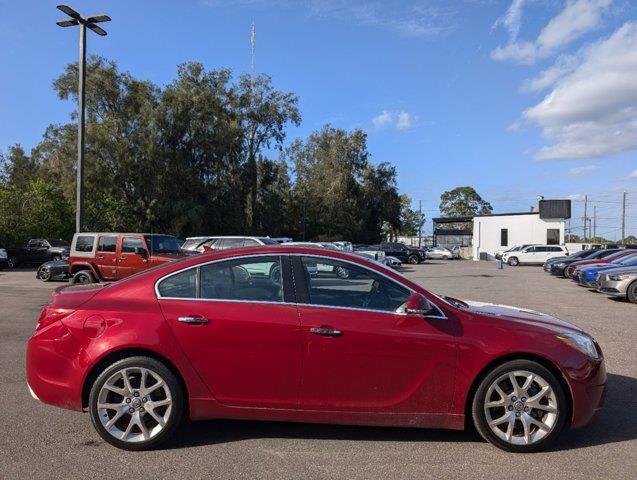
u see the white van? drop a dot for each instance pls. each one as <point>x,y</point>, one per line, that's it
<point>534,254</point>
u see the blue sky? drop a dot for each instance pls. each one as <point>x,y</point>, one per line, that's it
<point>516,98</point>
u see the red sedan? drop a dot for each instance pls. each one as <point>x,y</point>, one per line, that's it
<point>302,334</point>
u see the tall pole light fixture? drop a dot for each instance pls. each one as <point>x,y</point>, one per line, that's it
<point>84,23</point>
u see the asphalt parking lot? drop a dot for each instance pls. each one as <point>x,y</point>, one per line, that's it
<point>38,441</point>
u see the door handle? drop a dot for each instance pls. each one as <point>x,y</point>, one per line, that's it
<point>326,331</point>
<point>193,319</point>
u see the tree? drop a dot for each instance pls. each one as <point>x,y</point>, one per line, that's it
<point>410,220</point>
<point>630,240</point>
<point>463,201</point>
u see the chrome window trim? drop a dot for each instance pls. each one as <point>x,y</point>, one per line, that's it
<point>441,315</point>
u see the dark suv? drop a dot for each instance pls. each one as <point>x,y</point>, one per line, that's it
<point>402,252</point>
<point>37,251</point>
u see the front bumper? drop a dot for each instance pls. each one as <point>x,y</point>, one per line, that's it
<point>613,288</point>
<point>55,364</point>
<point>588,390</point>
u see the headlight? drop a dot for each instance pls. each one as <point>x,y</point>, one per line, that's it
<point>580,342</point>
<point>617,278</point>
<point>559,264</point>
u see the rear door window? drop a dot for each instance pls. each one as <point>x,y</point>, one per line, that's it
<point>129,244</point>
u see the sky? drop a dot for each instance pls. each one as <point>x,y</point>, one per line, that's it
<point>517,98</point>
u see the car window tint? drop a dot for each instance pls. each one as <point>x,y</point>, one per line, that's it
<point>256,279</point>
<point>180,285</point>
<point>84,243</point>
<point>107,244</point>
<point>129,244</point>
<point>340,284</point>
<point>250,242</point>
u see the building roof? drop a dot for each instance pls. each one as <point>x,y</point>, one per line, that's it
<point>508,214</point>
<point>452,219</point>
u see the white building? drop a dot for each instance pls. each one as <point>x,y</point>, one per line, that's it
<point>495,232</point>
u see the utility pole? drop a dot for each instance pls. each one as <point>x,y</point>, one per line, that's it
<point>594,221</point>
<point>90,22</point>
<point>624,218</point>
<point>585,215</point>
<point>420,222</point>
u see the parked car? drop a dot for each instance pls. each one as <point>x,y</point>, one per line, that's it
<point>37,251</point>
<point>105,256</point>
<point>392,262</point>
<point>183,340</point>
<point>456,252</point>
<point>588,275</point>
<point>439,253</point>
<point>53,270</point>
<point>4,259</point>
<point>372,251</point>
<point>402,252</point>
<point>563,260</point>
<point>559,267</point>
<point>517,248</point>
<point>197,244</point>
<point>609,257</point>
<point>534,254</point>
<point>621,282</point>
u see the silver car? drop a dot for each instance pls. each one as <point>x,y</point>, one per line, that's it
<point>620,282</point>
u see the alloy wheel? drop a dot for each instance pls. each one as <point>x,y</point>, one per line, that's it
<point>44,274</point>
<point>134,404</point>
<point>521,407</point>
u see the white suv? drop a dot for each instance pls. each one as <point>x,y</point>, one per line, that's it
<point>534,254</point>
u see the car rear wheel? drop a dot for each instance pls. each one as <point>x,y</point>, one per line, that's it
<point>12,262</point>
<point>136,403</point>
<point>520,407</point>
<point>83,277</point>
<point>513,261</point>
<point>44,274</point>
<point>631,292</point>
<point>413,259</point>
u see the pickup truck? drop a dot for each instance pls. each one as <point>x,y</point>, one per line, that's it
<point>399,250</point>
<point>37,251</point>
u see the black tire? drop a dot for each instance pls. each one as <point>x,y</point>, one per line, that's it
<point>480,417</point>
<point>44,274</point>
<point>83,277</point>
<point>12,262</point>
<point>631,292</point>
<point>172,383</point>
<point>413,259</point>
<point>513,261</point>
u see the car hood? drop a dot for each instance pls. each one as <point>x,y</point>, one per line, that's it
<point>516,314</point>
<point>621,270</point>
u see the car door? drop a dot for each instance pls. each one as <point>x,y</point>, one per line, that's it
<point>106,257</point>
<point>239,328</point>
<point>128,261</point>
<point>360,355</point>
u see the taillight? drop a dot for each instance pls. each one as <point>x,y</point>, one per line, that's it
<point>51,314</point>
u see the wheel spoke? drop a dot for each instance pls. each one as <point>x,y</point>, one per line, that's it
<point>527,429</point>
<point>539,406</point>
<point>114,389</point>
<point>127,385</point>
<point>157,417</point>
<point>142,382</point>
<point>541,425</point>
<point>510,426</point>
<point>129,427</point>
<point>514,382</point>
<point>500,420</point>
<point>497,388</point>
<point>154,387</point>
<point>113,420</point>
<point>527,383</point>
<point>538,396</point>
<point>161,403</point>
<point>142,427</point>
<point>110,406</point>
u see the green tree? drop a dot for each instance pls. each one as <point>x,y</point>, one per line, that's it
<point>630,240</point>
<point>463,201</point>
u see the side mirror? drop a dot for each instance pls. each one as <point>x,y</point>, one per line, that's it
<point>417,305</point>
<point>141,251</point>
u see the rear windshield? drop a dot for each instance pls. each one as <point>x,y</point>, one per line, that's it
<point>58,243</point>
<point>162,244</point>
<point>84,243</point>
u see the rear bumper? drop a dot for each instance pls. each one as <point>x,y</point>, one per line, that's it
<point>54,367</point>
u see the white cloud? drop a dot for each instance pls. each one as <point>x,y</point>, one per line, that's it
<point>584,169</point>
<point>578,18</point>
<point>511,20</point>
<point>564,65</point>
<point>633,174</point>
<point>592,111</point>
<point>401,120</point>
<point>576,197</point>
<point>515,127</point>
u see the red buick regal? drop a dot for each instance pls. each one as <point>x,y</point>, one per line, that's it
<point>309,335</point>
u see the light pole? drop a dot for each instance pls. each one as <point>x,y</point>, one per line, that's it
<point>84,23</point>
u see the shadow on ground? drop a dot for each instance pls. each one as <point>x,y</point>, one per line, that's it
<point>616,422</point>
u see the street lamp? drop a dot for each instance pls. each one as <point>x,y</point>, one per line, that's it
<point>90,22</point>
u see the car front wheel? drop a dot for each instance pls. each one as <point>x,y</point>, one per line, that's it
<point>136,403</point>
<point>83,277</point>
<point>513,261</point>
<point>12,262</point>
<point>520,407</point>
<point>631,292</point>
<point>44,274</point>
<point>413,259</point>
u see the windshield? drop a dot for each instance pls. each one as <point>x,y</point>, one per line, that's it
<point>58,243</point>
<point>268,241</point>
<point>162,244</point>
